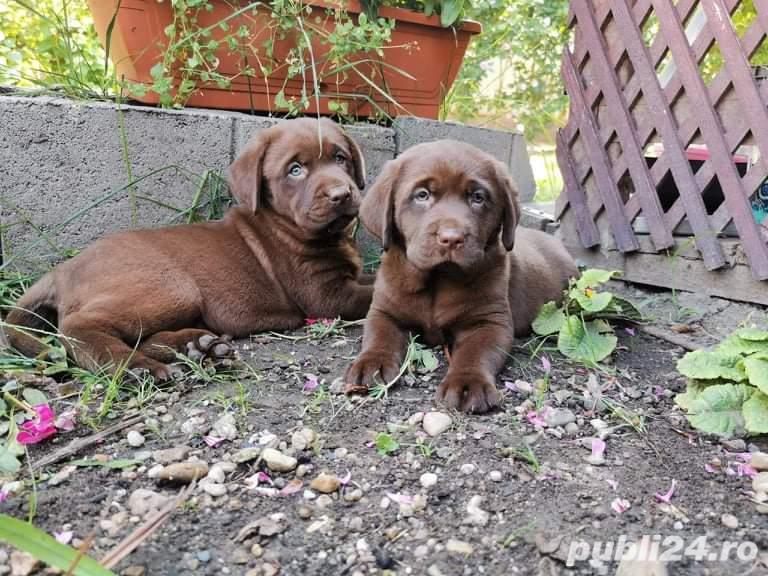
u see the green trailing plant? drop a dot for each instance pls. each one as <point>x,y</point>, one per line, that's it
<point>319,56</point>
<point>582,321</point>
<point>451,11</point>
<point>727,392</point>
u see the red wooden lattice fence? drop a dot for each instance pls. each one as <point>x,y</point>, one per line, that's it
<point>667,135</point>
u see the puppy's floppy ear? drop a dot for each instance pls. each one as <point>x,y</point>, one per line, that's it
<point>377,212</point>
<point>246,173</point>
<point>510,203</point>
<point>358,162</point>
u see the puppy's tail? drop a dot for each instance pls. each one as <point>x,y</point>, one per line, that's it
<point>34,315</point>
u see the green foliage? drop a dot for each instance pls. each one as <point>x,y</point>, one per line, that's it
<point>51,44</point>
<point>45,548</point>
<point>512,70</point>
<point>386,444</point>
<point>580,322</point>
<point>727,391</point>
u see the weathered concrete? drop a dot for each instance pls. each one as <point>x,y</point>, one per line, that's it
<point>58,157</point>
<point>507,147</point>
<point>64,171</point>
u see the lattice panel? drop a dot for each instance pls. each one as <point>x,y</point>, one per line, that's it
<point>668,125</point>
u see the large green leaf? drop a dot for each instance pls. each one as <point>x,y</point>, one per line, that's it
<point>450,10</point>
<point>692,391</point>
<point>623,309</point>
<point>711,365</point>
<point>752,334</point>
<point>756,368</point>
<point>588,342</point>
<point>734,344</point>
<point>755,412</point>
<point>33,396</point>
<point>550,320</point>
<point>718,409</point>
<point>591,301</point>
<point>45,548</point>
<point>594,277</point>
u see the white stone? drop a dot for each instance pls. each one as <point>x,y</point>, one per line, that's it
<point>278,461</point>
<point>428,479</point>
<point>435,423</point>
<point>135,438</point>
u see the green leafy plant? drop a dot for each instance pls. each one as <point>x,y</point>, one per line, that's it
<point>727,392</point>
<point>386,444</point>
<point>582,320</point>
<point>450,11</point>
<point>45,548</point>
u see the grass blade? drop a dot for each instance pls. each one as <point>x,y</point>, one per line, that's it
<point>46,549</point>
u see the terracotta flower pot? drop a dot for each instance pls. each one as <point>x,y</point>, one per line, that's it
<point>429,64</point>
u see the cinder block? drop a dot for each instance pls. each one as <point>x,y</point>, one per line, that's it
<point>60,159</point>
<point>507,147</point>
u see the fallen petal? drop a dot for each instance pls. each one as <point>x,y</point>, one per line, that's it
<point>745,470</point>
<point>311,383</point>
<point>64,537</point>
<point>213,441</point>
<point>546,364</point>
<point>612,483</point>
<point>709,468</point>
<point>598,447</point>
<point>666,498</point>
<point>347,477</point>
<point>400,498</point>
<point>292,487</point>
<point>630,331</point>
<point>536,419</point>
<point>620,505</point>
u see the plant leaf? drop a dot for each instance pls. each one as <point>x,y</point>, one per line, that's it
<point>734,344</point>
<point>385,444</point>
<point>591,301</point>
<point>584,342</point>
<point>692,391</point>
<point>752,334</point>
<point>718,409</point>
<point>34,396</point>
<point>428,360</point>
<point>549,320</point>
<point>755,413</point>
<point>594,277</point>
<point>712,365</point>
<point>45,548</point>
<point>450,10</point>
<point>9,464</point>
<point>756,368</point>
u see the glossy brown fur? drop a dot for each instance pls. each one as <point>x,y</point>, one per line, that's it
<point>283,255</point>
<point>450,271</point>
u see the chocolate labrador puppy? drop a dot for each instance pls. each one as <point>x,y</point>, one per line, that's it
<point>455,269</point>
<point>284,254</point>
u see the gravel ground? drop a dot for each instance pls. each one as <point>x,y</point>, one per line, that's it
<point>299,484</point>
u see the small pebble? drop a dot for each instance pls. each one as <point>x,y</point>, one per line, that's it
<point>135,438</point>
<point>325,483</point>
<point>183,472</point>
<point>760,482</point>
<point>428,479</point>
<point>353,495</point>
<point>759,461</point>
<point>435,423</point>
<point>278,461</point>
<point>467,469</point>
<point>495,476</point>
<point>459,547</point>
<point>729,521</point>
<point>214,489</point>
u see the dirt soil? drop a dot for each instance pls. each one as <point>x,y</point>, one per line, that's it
<point>492,507</point>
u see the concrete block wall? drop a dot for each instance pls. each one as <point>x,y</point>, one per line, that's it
<point>60,158</point>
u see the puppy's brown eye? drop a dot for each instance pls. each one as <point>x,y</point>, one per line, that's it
<point>477,197</point>
<point>340,158</point>
<point>295,169</point>
<point>421,195</point>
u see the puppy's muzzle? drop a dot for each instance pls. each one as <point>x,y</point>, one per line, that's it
<point>450,238</point>
<point>338,195</point>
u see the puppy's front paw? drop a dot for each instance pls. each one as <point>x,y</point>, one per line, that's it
<point>468,391</point>
<point>368,369</point>
<point>210,346</point>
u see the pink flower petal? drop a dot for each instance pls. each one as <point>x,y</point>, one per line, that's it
<point>598,447</point>
<point>347,477</point>
<point>743,456</point>
<point>65,421</point>
<point>536,419</point>
<point>263,478</point>
<point>311,383</point>
<point>38,429</point>
<point>619,505</point>
<point>3,495</point>
<point>546,364</point>
<point>400,498</point>
<point>630,331</point>
<point>508,385</point>
<point>44,413</point>
<point>213,441</point>
<point>666,498</point>
<point>292,487</point>
<point>745,470</point>
<point>612,483</point>
<point>310,321</point>
<point>64,537</point>
<point>709,468</point>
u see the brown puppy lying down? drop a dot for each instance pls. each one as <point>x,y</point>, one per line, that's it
<point>283,255</point>
<point>446,215</point>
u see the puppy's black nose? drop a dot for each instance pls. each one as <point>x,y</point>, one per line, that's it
<point>451,238</point>
<point>339,194</point>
